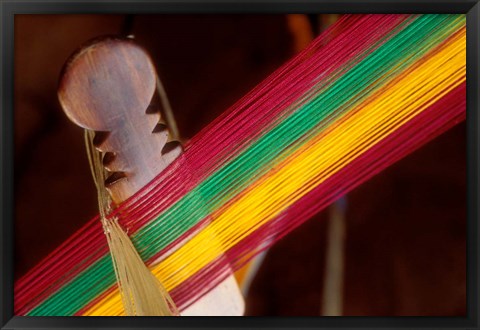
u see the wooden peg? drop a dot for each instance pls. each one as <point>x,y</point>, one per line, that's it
<point>107,87</point>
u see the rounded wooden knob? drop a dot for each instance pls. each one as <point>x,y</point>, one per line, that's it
<point>107,84</point>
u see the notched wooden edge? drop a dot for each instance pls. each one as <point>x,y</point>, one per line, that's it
<point>100,137</point>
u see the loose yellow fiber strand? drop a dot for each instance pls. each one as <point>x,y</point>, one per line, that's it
<point>312,164</point>
<point>141,292</point>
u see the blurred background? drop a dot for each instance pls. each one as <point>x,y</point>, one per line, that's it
<point>395,246</point>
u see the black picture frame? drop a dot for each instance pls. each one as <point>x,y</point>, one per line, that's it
<point>10,8</point>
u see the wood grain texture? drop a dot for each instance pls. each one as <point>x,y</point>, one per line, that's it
<point>108,86</point>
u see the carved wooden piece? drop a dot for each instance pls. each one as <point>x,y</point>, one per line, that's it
<point>108,87</point>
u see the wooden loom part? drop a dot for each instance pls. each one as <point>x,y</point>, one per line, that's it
<point>108,86</point>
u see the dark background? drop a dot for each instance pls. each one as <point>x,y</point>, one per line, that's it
<point>406,228</point>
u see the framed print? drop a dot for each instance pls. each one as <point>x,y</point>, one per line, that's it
<point>247,165</point>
